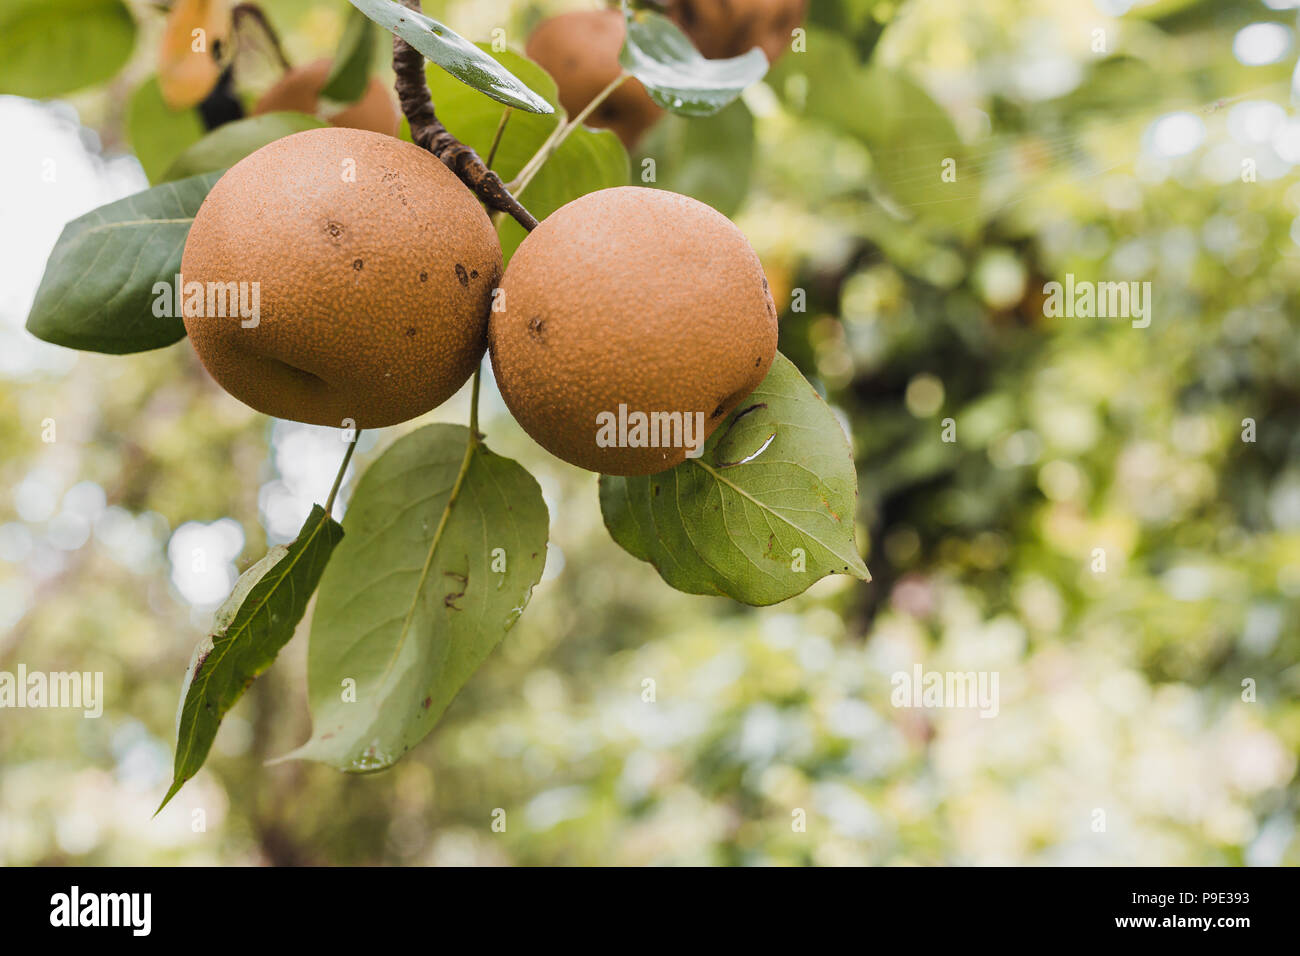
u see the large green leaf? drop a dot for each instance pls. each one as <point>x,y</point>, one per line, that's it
<point>157,133</point>
<point>765,511</point>
<point>445,543</point>
<point>588,160</point>
<point>451,51</point>
<point>258,619</point>
<point>98,293</point>
<point>228,144</point>
<point>50,47</point>
<point>676,75</point>
<point>350,70</point>
<point>708,158</point>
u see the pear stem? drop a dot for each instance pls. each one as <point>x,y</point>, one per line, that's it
<point>496,140</point>
<point>338,479</point>
<point>473,405</point>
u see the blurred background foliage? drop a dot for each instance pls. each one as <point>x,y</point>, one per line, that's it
<point>1088,139</point>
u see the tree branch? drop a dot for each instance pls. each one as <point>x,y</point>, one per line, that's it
<point>428,133</point>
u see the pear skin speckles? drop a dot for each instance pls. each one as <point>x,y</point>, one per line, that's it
<point>635,298</point>
<point>356,242</point>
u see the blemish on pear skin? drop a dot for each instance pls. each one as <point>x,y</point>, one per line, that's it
<point>461,275</point>
<point>358,264</point>
<point>537,328</point>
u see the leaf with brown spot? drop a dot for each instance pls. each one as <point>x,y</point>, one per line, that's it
<point>410,606</point>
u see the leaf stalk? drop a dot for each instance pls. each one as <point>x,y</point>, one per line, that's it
<point>338,479</point>
<point>560,134</point>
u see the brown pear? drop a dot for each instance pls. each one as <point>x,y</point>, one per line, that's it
<point>340,277</point>
<point>299,91</point>
<point>580,51</point>
<point>626,305</point>
<point>725,28</point>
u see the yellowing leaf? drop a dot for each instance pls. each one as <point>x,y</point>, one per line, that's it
<point>187,61</point>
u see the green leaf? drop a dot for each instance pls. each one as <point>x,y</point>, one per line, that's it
<point>911,140</point>
<point>51,47</point>
<point>350,69</point>
<point>708,158</point>
<point>258,619</point>
<point>588,160</point>
<point>820,84</point>
<point>909,135</point>
<point>861,22</point>
<point>228,144</point>
<point>473,119</point>
<point>445,543</point>
<point>462,59</point>
<point>765,511</point>
<point>157,133</point>
<point>98,293</point>
<point>676,75</point>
